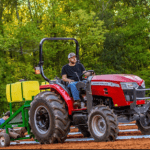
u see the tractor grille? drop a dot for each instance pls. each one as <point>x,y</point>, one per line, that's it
<point>129,94</point>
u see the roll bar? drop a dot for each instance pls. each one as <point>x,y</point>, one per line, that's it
<point>52,39</point>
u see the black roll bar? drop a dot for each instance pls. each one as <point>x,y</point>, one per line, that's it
<point>52,39</point>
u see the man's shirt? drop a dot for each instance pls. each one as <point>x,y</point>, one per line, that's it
<point>1,121</point>
<point>73,71</point>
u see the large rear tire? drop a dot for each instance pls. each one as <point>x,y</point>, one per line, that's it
<point>103,124</point>
<point>49,119</point>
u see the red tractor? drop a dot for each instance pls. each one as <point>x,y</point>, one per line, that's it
<point>108,99</point>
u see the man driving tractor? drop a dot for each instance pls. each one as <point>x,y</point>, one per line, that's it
<point>71,73</point>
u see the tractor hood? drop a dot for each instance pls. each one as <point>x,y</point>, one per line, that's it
<point>118,78</point>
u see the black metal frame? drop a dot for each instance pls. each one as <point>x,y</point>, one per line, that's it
<point>52,39</point>
<point>143,109</point>
<point>89,94</point>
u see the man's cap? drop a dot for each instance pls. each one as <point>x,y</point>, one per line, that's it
<point>71,55</point>
<point>7,113</point>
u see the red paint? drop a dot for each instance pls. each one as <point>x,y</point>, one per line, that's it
<point>116,93</point>
<point>79,109</point>
<point>54,87</point>
<point>117,78</point>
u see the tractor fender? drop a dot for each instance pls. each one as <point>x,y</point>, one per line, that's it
<point>64,94</point>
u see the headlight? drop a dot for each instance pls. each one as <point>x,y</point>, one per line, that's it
<point>143,84</point>
<point>129,85</point>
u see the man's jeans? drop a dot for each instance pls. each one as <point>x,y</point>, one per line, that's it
<point>1,121</point>
<point>74,91</point>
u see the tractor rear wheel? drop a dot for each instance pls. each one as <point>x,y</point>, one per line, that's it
<point>103,124</point>
<point>49,119</point>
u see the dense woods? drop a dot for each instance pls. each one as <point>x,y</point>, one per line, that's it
<point>114,37</point>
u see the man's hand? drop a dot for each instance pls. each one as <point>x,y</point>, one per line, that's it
<point>64,77</point>
<point>93,73</point>
<point>89,73</point>
<point>69,80</point>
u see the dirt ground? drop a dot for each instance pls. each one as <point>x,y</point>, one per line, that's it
<point>118,144</point>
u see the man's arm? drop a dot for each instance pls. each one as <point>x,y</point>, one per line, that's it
<point>64,78</point>
<point>83,70</point>
<point>88,73</point>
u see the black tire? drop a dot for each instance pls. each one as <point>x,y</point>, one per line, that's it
<point>49,119</point>
<point>4,140</point>
<point>103,124</point>
<point>84,131</point>
<point>144,128</point>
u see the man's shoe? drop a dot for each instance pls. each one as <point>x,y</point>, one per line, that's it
<point>77,103</point>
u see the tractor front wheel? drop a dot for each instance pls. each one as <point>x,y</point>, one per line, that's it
<point>144,124</point>
<point>49,118</point>
<point>103,124</point>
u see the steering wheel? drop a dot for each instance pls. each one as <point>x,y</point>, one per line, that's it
<point>86,72</point>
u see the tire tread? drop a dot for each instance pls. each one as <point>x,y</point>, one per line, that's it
<point>61,119</point>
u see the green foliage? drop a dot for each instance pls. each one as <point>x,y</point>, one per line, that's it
<point>113,37</point>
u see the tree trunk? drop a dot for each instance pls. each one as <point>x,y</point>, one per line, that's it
<point>29,7</point>
<point>1,14</point>
<point>53,19</point>
<point>17,14</point>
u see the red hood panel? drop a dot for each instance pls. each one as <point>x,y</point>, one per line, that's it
<point>118,78</point>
